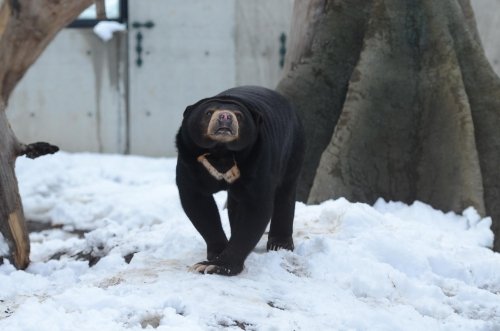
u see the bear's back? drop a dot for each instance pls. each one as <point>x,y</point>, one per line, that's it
<point>280,128</point>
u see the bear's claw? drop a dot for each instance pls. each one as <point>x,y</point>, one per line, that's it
<point>275,244</point>
<point>208,267</point>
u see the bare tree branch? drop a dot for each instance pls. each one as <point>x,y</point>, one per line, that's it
<point>100,10</point>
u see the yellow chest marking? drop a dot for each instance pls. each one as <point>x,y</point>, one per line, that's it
<point>229,176</point>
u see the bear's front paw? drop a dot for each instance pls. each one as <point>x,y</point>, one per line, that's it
<point>274,244</point>
<point>216,267</point>
<point>214,250</point>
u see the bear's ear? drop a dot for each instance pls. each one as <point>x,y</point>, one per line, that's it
<point>189,109</point>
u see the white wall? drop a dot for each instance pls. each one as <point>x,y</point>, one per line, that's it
<point>74,95</point>
<point>260,24</point>
<point>87,95</point>
<point>188,55</point>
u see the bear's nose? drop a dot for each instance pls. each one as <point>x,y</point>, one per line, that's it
<point>225,117</point>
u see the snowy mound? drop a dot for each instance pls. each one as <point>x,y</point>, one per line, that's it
<point>115,248</point>
<point>106,29</point>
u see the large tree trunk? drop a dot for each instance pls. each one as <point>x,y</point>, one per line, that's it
<point>420,113</point>
<point>318,68</point>
<point>26,28</point>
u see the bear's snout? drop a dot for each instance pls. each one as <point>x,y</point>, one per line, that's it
<point>225,117</point>
<point>225,121</point>
<point>223,126</point>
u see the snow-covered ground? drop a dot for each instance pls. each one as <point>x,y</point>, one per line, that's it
<point>355,267</point>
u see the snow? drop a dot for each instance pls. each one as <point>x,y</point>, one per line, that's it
<point>355,267</point>
<point>105,29</point>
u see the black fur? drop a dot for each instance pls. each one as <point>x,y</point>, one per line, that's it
<point>268,152</point>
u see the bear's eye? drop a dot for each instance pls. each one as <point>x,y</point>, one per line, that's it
<point>209,112</point>
<point>238,115</point>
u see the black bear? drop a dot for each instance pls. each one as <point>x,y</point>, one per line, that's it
<point>249,141</point>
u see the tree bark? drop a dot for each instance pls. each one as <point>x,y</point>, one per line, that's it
<point>12,223</point>
<point>317,71</point>
<point>100,10</point>
<point>26,28</point>
<point>418,114</point>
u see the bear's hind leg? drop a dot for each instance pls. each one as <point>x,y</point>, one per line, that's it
<point>281,229</point>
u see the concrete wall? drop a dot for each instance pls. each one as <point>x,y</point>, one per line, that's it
<point>260,24</point>
<point>87,95</point>
<point>74,95</point>
<point>188,55</point>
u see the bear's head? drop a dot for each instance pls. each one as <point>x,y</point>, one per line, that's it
<point>216,123</point>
